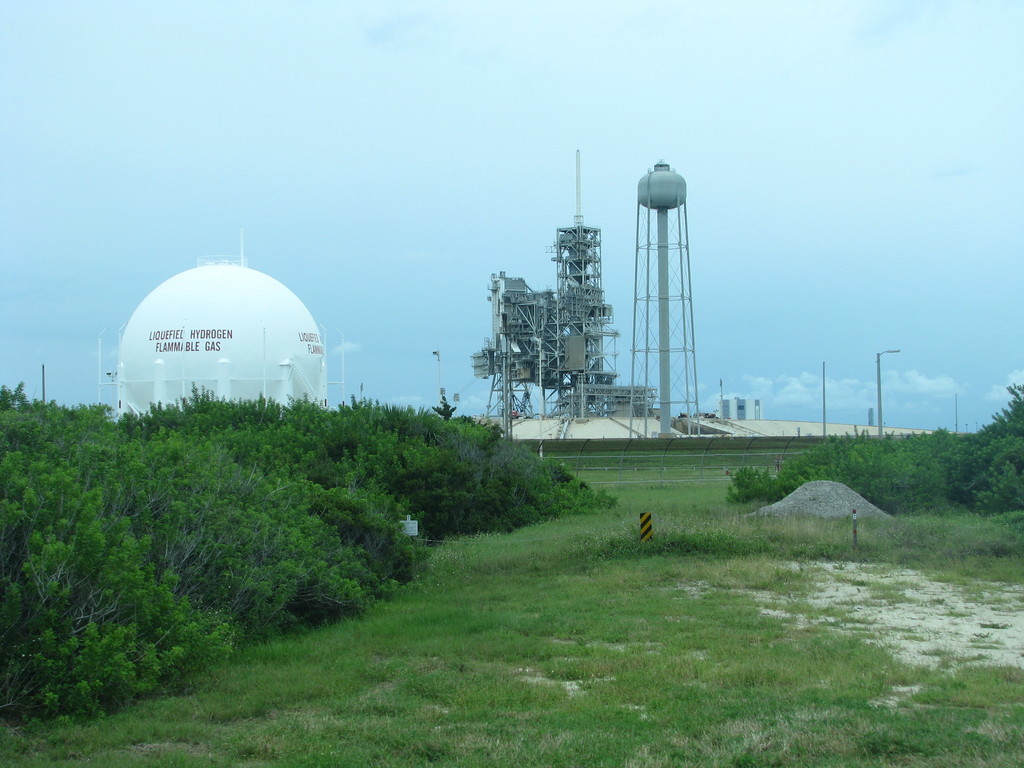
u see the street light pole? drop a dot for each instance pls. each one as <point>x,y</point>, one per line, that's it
<point>878,374</point>
<point>440,392</point>
<point>342,335</point>
<point>824,421</point>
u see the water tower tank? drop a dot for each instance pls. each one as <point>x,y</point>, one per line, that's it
<point>661,188</point>
<point>225,328</point>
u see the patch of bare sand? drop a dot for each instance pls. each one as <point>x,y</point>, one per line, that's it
<point>919,620</point>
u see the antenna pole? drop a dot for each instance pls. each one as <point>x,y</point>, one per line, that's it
<point>579,192</point>
<point>99,366</point>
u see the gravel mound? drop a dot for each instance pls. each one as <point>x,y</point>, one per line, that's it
<point>822,498</point>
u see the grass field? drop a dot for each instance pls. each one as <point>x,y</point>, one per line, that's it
<point>572,644</point>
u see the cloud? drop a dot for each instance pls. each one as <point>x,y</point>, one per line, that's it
<point>804,390</point>
<point>954,171</point>
<point>997,393</point>
<point>471,404</point>
<point>884,20</point>
<point>397,31</point>
<point>914,383</point>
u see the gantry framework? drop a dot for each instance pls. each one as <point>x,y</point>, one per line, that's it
<point>547,354</point>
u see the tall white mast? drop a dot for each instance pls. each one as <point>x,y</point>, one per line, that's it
<point>579,191</point>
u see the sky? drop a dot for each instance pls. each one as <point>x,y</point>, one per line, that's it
<point>854,173</point>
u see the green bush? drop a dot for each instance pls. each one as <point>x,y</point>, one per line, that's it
<point>982,472</point>
<point>85,623</point>
<point>133,553</point>
<point>752,484</point>
<point>989,472</point>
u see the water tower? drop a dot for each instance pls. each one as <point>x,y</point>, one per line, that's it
<point>662,306</point>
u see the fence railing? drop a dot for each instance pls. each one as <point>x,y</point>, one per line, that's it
<point>671,460</point>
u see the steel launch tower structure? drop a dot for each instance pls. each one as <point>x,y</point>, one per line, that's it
<point>547,354</point>
<point>662,306</point>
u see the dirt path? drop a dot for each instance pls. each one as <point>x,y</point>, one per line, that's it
<point>919,620</point>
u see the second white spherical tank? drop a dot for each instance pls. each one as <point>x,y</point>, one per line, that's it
<point>225,328</point>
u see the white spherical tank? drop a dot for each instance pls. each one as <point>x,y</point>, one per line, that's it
<point>225,328</point>
<point>661,188</point>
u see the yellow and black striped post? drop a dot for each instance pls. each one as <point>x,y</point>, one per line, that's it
<point>646,527</point>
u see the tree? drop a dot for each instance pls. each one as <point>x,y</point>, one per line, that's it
<point>445,410</point>
<point>989,473</point>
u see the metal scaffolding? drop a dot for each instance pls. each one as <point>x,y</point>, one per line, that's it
<point>547,354</point>
<point>583,325</point>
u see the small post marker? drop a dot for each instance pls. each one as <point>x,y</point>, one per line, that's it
<point>855,529</point>
<point>646,526</point>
